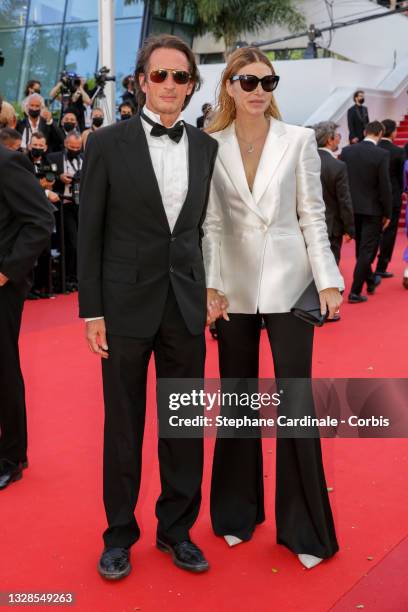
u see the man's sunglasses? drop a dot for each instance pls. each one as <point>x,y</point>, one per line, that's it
<point>181,77</point>
<point>249,82</point>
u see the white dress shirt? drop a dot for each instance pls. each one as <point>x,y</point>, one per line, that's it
<point>170,165</point>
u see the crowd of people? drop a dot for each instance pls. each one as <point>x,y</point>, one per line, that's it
<point>55,146</point>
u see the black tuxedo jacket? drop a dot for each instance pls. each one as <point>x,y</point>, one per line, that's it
<point>357,119</point>
<point>127,255</point>
<point>370,185</point>
<point>26,219</point>
<point>51,133</point>
<point>397,160</point>
<point>336,196</point>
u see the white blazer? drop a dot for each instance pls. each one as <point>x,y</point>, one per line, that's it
<point>262,249</point>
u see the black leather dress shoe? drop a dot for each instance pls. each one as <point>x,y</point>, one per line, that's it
<point>9,472</point>
<point>186,555</point>
<point>114,563</point>
<point>356,298</point>
<point>384,274</point>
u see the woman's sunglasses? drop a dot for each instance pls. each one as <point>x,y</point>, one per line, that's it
<point>181,77</point>
<point>249,82</point>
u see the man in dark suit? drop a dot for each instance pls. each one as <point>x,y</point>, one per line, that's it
<point>69,165</point>
<point>336,191</point>
<point>142,281</point>
<point>370,189</point>
<point>26,223</point>
<point>357,118</point>
<point>397,160</point>
<point>38,119</point>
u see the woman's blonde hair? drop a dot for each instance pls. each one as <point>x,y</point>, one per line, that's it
<point>225,110</point>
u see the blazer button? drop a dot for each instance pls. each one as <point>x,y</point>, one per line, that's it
<point>172,239</point>
<point>171,269</point>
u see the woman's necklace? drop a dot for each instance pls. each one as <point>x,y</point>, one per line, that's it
<point>250,146</point>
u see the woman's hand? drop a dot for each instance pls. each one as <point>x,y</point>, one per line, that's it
<point>330,299</point>
<point>217,305</point>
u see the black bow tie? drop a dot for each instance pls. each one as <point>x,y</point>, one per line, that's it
<point>174,133</point>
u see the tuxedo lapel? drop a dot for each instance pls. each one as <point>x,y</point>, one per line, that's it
<point>196,166</point>
<point>229,155</point>
<point>274,149</point>
<point>136,155</point>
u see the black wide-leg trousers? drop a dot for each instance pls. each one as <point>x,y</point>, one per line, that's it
<point>13,420</point>
<point>178,354</point>
<point>304,519</point>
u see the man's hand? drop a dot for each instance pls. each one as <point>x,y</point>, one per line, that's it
<point>354,140</point>
<point>96,337</point>
<point>330,299</point>
<point>3,279</point>
<point>385,222</point>
<point>347,237</point>
<point>217,305</point>
<point>66,179</point>
<point>46,114</point>
<point>53,197</point>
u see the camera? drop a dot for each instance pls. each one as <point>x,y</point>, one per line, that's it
<point>101,77</point>
<point>76,180</point>
<point>47,171</point>
<point>1,58</point>
<point>70,82</point>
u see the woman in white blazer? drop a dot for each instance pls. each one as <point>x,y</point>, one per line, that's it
<point>265,239</point>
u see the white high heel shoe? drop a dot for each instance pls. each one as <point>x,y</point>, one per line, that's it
<point>232,540</point>
<point>309,561</point>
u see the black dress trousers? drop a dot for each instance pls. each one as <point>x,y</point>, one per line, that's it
<point>178,354</point>
<point>387,241</point>
<point>304,519</point>
<point>368,232</point>
<point>13,421</point>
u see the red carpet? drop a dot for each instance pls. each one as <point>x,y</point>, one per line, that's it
<point>51,521</point>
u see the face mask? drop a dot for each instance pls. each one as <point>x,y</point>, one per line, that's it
<point>124,117</point>
<point>35,152</point>
<point>97,121</point>
<point>72,154</point>
<point>68,126</point>
<point>34,113</point>
<point>361,100</point>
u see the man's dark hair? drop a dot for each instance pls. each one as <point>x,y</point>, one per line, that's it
<point>71,111</point>
<point>164,41</point>
<point>127,105</point>
<point>38,135</point>
<point>9,134</point>
<point>356,93</point>
<point>126,80</point>
<point>389,127</point>
<point>31,84</point>
<point>375,128</point>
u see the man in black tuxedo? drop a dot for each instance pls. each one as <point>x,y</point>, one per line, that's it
<point>370,187</point>
<point>141,276</point>
<point>336,190</point>
<point>69,165</point>
<point>26,223</point>
<point>357,118</point>
<point>397,160</point>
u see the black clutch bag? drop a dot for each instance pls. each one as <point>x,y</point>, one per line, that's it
<point>307,307</point>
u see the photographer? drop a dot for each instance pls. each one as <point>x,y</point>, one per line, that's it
<point>11,139</point>
<point>69,165</point>
<point>129,95</point>
<point>38,119</point>
<point>72,92</point>
<point>45,172</point>
<point>126,111</point>
<point>97,117</point>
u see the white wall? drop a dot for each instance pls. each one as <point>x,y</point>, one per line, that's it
<point>371,43</point>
